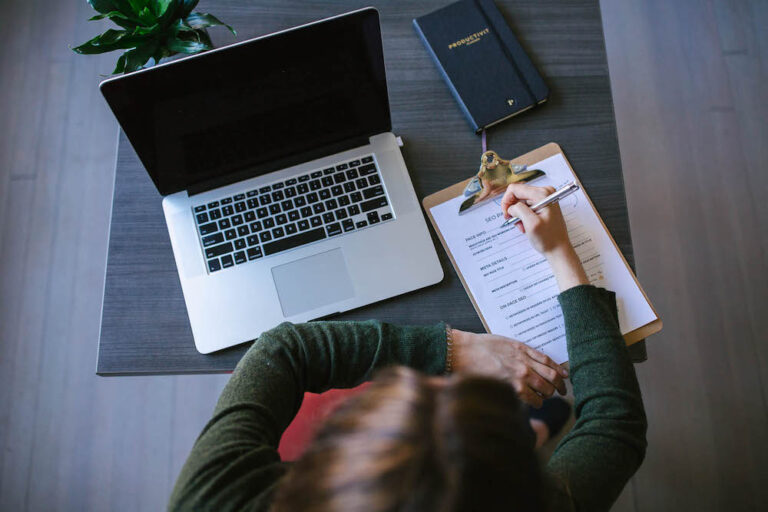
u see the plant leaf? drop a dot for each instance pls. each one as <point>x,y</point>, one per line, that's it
<point>116,17</point>
<point>100,43</point>
<point>204,37</point>
<point>123,18</point>
<point>120,65</point>
<point>153,29</point>
<point>203,20</point>
<point>171,13</point>
<point>138,5</point>
<point>109,41</point>
<point>160,53</point>
<point>181,26</point>
<point>138,57</point>
<point>105,15</point>
<point>144,31</point>
<point>146,16</point>
<point>102,6</point>
<point>160,6</point>
<point>187,6</point>
<point>186,46</point>
<point>105,6</point>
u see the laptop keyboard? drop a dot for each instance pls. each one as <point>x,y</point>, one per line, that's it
<point>292,213</point>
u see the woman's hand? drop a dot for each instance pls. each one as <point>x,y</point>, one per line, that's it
<point>546,231</point>
<point>533,375</point>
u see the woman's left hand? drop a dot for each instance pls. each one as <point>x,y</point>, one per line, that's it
<point>533,374</point>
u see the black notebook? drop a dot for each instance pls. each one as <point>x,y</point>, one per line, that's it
<point>481,60</point>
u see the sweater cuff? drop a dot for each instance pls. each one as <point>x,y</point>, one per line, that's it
<point>423,347</point>
<point>588,312</point>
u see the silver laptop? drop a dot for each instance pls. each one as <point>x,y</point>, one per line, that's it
<point>285,192</point>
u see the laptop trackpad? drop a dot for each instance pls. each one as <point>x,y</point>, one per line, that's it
<point>313,282</point>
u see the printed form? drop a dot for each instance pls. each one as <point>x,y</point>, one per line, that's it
<point>512,283</point>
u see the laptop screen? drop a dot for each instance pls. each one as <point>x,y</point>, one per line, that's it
<point>257,106</point>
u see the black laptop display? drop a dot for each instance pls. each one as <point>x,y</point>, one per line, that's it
<point>258,106</point>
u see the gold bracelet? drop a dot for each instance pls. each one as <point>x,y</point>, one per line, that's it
<point>449,350</point>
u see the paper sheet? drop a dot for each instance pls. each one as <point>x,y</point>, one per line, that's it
<point>513,285</point>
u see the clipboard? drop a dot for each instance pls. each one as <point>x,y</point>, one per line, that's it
<point>531,158</point>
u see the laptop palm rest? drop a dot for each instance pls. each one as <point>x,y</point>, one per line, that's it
<point>312,282</point>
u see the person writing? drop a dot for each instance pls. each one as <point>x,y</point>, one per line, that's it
<point>444,424</point>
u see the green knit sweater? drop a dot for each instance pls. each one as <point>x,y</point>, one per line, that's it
<point>234,465</point>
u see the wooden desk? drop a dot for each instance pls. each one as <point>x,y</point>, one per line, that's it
<point>145,328</point>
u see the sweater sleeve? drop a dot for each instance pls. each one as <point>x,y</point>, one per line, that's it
<point>234,464</point>
<point>594,461</point>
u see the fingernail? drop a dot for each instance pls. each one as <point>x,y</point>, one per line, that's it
<point>565,372</point>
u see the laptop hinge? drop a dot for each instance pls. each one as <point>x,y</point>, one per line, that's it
<point>281,163</point>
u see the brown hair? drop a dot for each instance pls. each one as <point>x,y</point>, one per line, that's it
<point>413,443</point>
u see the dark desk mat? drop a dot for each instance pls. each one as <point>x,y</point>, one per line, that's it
<point>145,329</point>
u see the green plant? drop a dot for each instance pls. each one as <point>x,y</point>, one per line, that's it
<point>151,29</point>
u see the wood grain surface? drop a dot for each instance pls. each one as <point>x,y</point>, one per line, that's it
<point>145,328</point>
<point>689,82</point>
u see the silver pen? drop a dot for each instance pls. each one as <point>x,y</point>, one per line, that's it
<point>554,197</point>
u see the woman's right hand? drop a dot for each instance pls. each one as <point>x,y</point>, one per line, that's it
<point>546,231</point>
